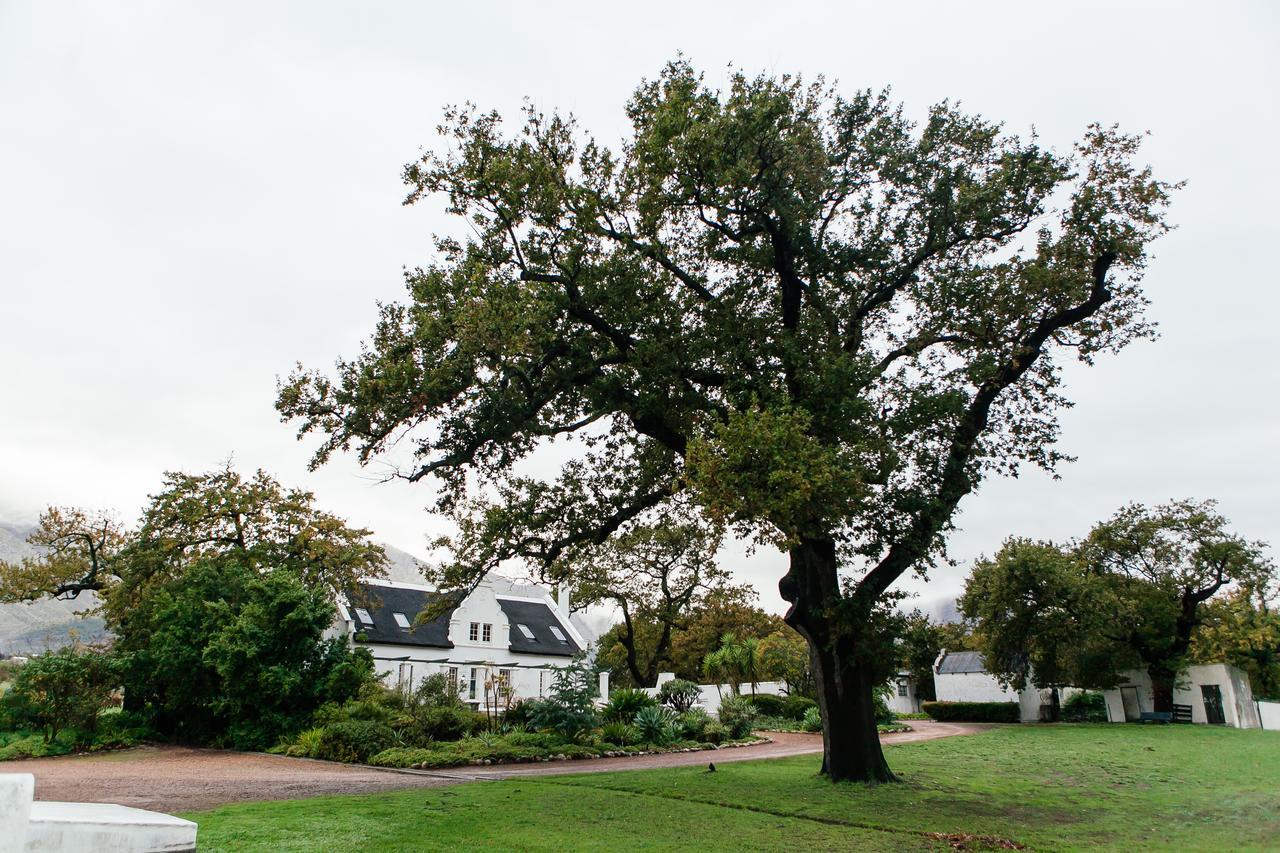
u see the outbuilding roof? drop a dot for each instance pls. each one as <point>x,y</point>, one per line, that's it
<point>958,662</point>
<point>383,602</point>
<point>543,622</point>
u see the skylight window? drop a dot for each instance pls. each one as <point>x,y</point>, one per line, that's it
<point>524,629</point>
<point>364,616</point>
<point>402,620</point>
<point>559,634</point>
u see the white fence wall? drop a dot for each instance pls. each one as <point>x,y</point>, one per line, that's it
<point>709,701</point>
<point>1269,714</point>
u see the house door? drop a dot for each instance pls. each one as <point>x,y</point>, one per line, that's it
<point>1212,695</point>
<point>1129,698</point>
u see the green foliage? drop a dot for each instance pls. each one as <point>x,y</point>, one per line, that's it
<point>972,712</point>
<point>569,709</point>
<point>307,743</point>
<point>67,688</point>
<point>812,719</point>
<point>716,732</point>
<point>227,653</point>
<point>353,741</point>
<point>619,734</point>
<point>679,695</point>
<point>655,724</point>
<point>1085,707</point>
<point>768,705</point>
<point>735,662</point>
<point>693,724</point>
<point>796,707</point>
<point>784,656</point>
<point>624,704</point>
<point>736,714</point>
<point>1243,629</point>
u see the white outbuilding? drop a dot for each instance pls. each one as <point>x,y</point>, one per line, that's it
<point>1213,694</point>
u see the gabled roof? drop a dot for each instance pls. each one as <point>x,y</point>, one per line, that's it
<point>958,662</point>
<point>383,601</point>
<point>539,617</point>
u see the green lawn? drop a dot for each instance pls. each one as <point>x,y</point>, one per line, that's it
<point>1047,787</point>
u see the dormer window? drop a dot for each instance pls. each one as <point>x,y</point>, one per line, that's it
<point>524,629</point>
<point>559,635</point>
<point>363,616</point>
<point>402,620</point>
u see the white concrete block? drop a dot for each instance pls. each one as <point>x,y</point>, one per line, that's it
<point>16,792</point>
<point>105,828</point>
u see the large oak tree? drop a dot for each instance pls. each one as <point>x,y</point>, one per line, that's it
<point>821,321</point>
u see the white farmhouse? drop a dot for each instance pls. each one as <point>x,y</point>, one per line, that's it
<point>963,677</point>
<point>513,643</point>
<point>1214,693</point>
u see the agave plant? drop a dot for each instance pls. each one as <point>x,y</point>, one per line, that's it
<point>654,724</point>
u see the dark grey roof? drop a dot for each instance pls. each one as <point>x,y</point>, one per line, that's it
<point>385,601</point>
<point>538,617</point>
<point>955,662</point>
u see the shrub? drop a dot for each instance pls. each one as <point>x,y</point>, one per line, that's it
<point>679,695</point>
<point>973,712</point>
<point>306,744</point>
<point>812,721</point>
<point>736,715</point>
<point>354,741</point>
<point>521,713</point>
<point>653,724</point>
<point>715,733</point>
<point>880,697</point>
<point>1085,707</point>
<point>570,709</point>
<point>445,723</point>
<point>693,724</point>
<point>619,734</point>
<point>66,688</point>
<point>768,705</point>
<point>625,704</point>
<point>795,707</point>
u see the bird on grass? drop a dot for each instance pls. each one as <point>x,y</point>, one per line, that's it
<point>711,767</point>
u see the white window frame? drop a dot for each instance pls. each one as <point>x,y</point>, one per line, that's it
<point>474,634</point>
<point>363,616</point>
<point>472,684</point>
<point>486,633</point>
<point>559,635</point>
<point>402,621</point>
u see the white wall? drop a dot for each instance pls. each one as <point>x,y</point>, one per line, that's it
<point>1237,696</point>
<point>1269,715</point>
<point>971,687</point>
<point>711,694</point>
<point>909,704</point>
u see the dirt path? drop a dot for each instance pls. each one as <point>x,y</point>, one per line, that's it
<point>177,779</point>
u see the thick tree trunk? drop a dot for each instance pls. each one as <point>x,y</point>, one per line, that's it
<point>1162,681</point>
<point>844,680</point>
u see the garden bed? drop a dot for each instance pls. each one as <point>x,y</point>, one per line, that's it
<point>528,748</point>
<point>793,727</point>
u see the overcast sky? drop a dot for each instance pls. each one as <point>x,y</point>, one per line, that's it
<point>195,196</point>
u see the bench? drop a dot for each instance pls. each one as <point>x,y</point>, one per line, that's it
<point>84,827</point>
<point>1182,713</point>
<point>1156,717</point>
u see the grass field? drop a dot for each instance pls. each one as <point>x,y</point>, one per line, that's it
<point>1045,787</point>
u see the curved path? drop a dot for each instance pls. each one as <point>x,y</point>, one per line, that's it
<point>178,779</point>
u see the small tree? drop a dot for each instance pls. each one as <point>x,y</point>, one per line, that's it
<point>62,689</point>
<point>570,709</point>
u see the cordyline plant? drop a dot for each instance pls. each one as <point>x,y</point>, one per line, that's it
<point>818,321</point>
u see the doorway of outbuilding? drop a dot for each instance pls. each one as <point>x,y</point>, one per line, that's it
<point>1213,712</point>
<point>1129,697</point>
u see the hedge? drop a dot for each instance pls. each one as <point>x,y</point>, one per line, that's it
<point>973,712</point>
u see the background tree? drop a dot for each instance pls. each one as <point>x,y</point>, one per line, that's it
<point>823,323</point>
<point>1156,569</point>
<point>62,689</point>
<point>78,552</point>
<point>217,601</point>
<point>784,656</point>
<point>1243,628</point>
<point>656,575</point>
<point>1036,619</point>
<point>920,643</point>
<point>723,609</point>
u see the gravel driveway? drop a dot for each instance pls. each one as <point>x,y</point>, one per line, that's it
<point>179,779</point>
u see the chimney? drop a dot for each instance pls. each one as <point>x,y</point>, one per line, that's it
<point>562,599</point>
